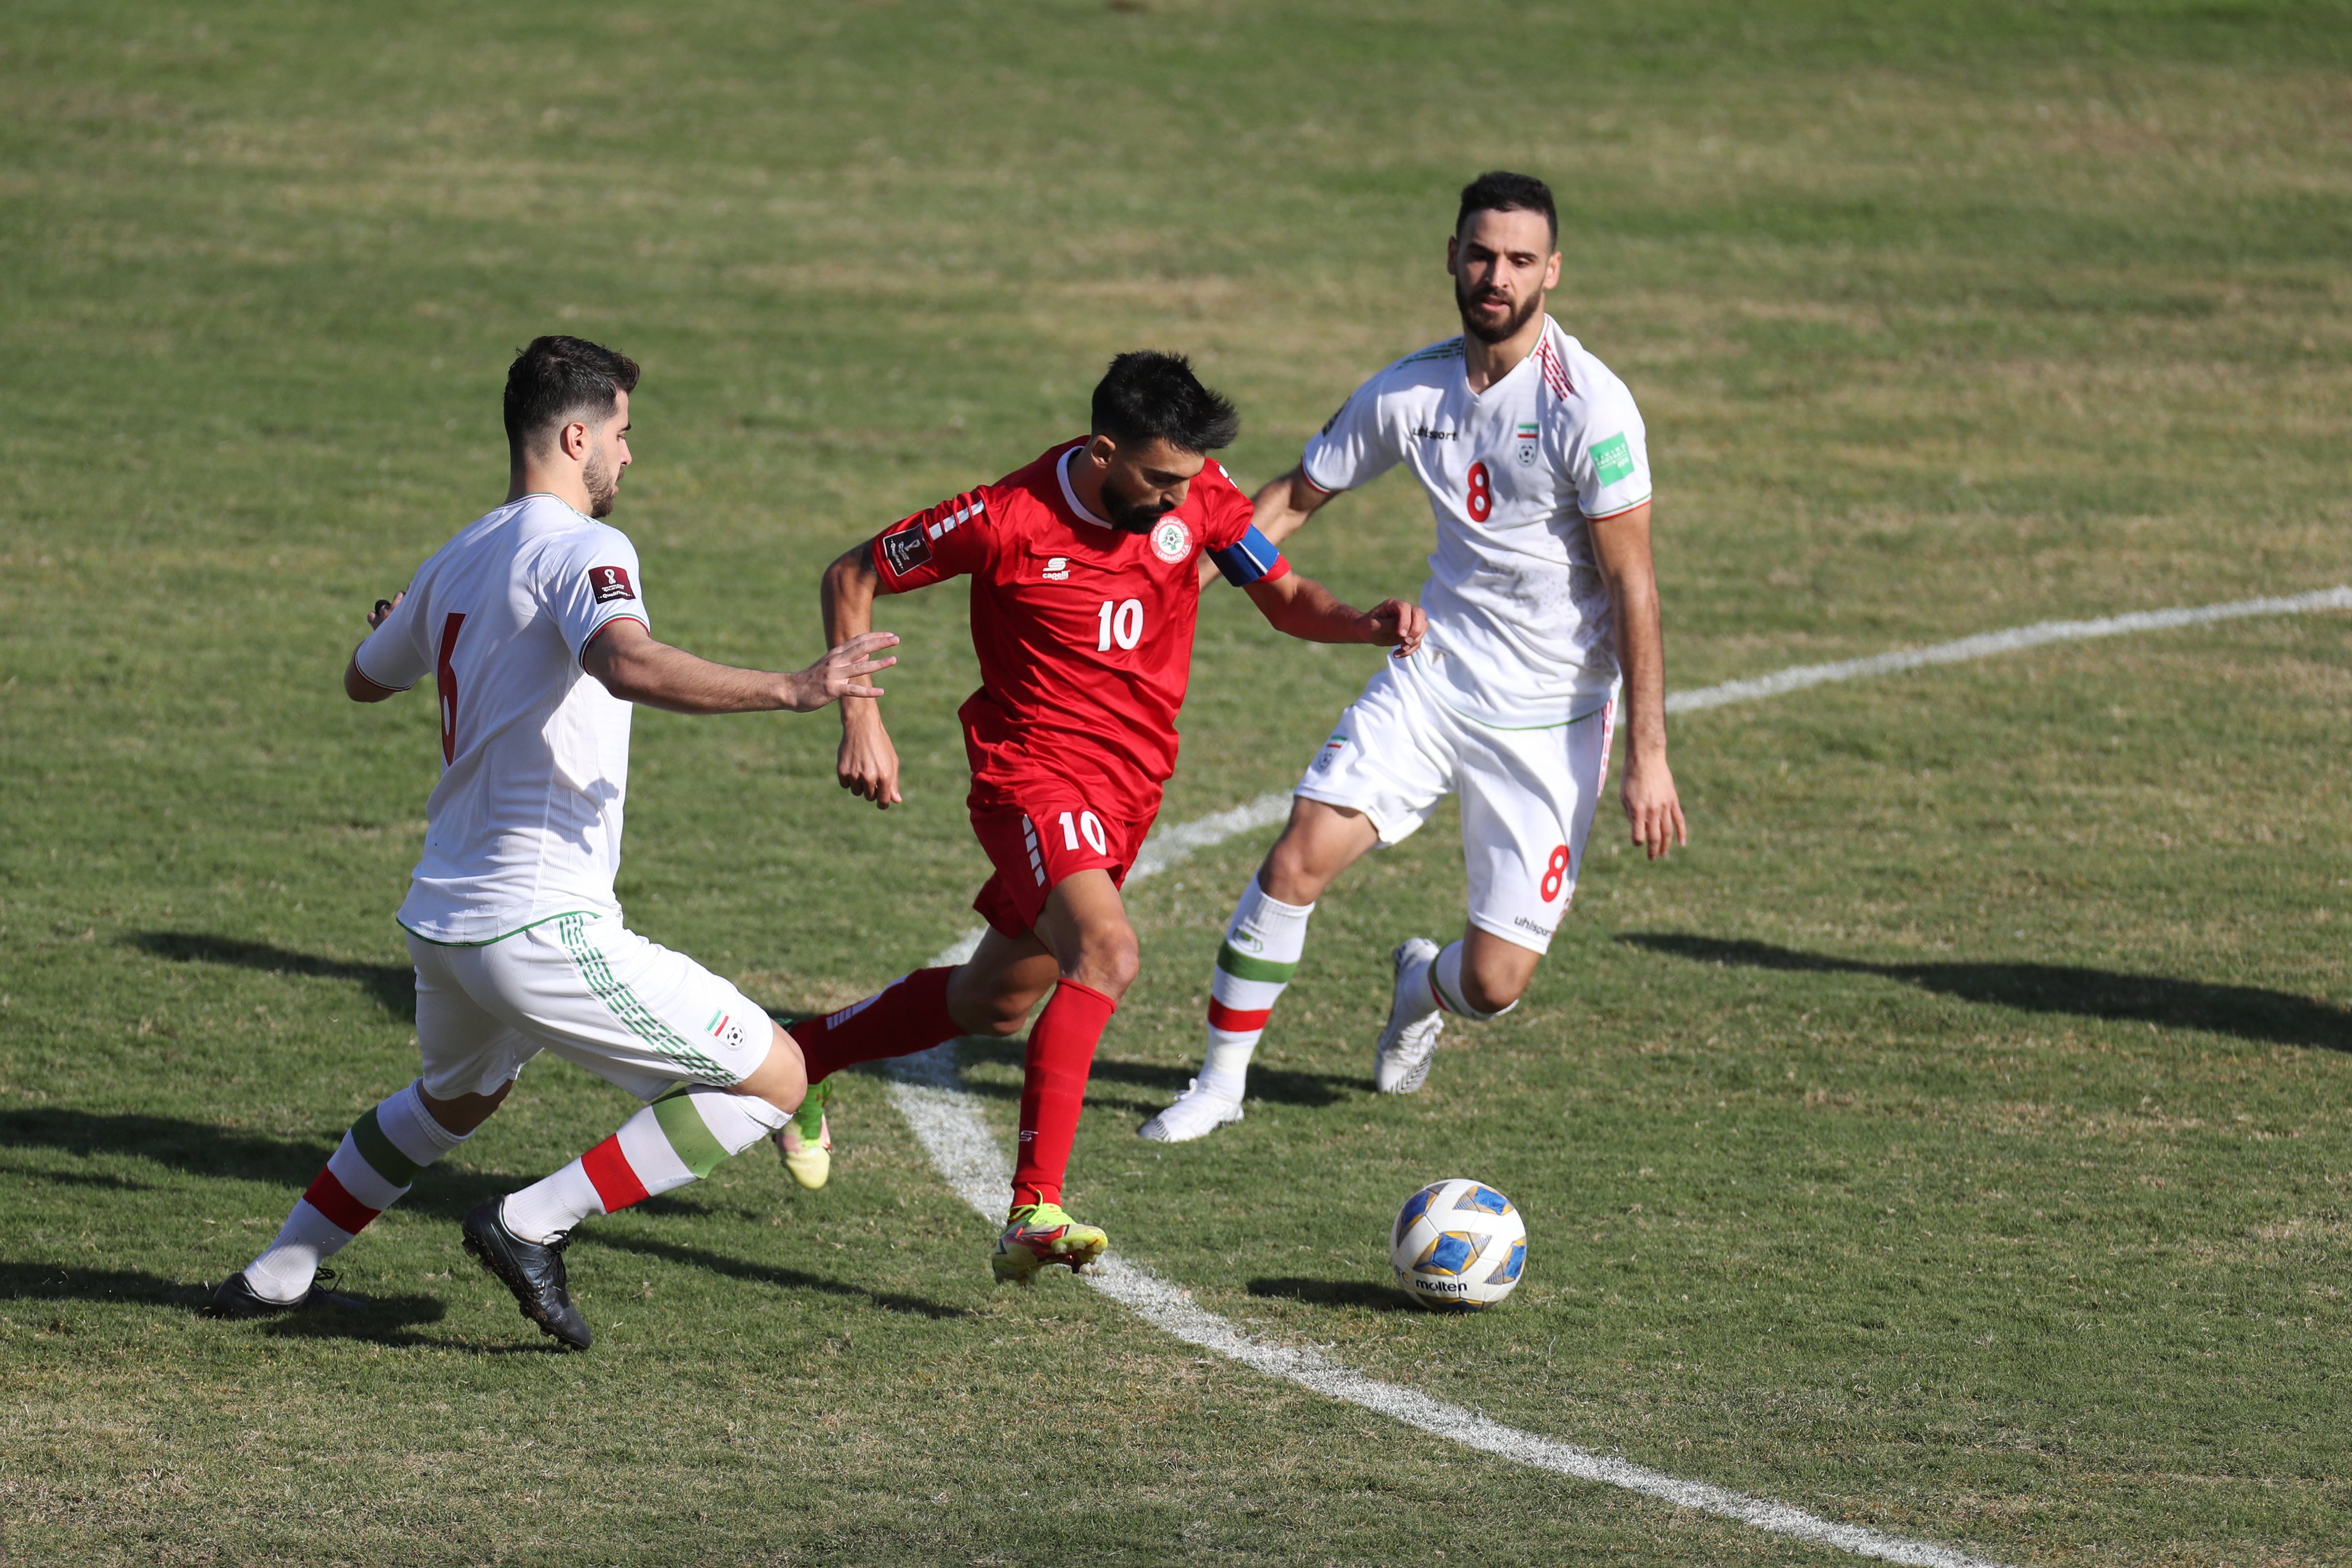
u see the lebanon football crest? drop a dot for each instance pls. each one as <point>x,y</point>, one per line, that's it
<point>1170,540</point>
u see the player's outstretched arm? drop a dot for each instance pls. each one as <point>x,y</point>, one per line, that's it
<point>1653,809</point>
<point>868,764</point>
<point>1303,608</point>
<point>637,669</point>
<point>1277,510</point>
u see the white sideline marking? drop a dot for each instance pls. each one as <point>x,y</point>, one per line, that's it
<point>1986,644</point>
<point>928,1089</point>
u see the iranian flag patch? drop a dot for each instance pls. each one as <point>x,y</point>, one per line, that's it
<point>1612,460</point>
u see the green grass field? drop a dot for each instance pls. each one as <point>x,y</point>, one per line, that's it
<point>1955,1140</point>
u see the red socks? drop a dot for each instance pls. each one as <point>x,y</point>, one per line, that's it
<point>1053,1087</point>
<point>905,1016</point>
<point>911,1015</point>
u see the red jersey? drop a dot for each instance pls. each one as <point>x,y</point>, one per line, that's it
<point>1085,634</point>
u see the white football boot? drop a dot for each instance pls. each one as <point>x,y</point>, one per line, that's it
<point>1198,1112</point>
<point>1407,1044</point>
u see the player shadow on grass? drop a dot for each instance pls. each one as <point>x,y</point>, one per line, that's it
<point>378,1320</point>
<point>2248,1012</point>
<point>770,1274</point>
<point>394,986</point>
<point>1274,1085</point>
<point>204,1149</point>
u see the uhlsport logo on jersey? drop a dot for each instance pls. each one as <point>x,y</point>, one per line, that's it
<point>610,582</point>
<point>1171,540</point>
<point>1526,445</point>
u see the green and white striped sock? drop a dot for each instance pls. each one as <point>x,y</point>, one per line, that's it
<point>680,1138</point>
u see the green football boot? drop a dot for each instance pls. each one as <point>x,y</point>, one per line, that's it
<point>806,1141</point>
<point>1039,1234</point>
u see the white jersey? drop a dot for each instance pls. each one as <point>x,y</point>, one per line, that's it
<point>526,822</point>
<point>1521,630</point>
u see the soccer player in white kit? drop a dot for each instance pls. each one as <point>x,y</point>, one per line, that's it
<point>532,625</point>
<point>1543,615</point>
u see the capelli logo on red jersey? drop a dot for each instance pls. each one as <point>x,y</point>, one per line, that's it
<point>1057,570</point>
<point>610,582</point>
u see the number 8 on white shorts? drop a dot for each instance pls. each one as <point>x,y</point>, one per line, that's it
<point>1528,795</point>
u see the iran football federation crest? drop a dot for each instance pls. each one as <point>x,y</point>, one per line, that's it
<point>1170,540</point>
<point>1526,445</point>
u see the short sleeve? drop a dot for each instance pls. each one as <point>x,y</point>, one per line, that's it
<point>949,539</point>
<point>1609,464</point>
<point>589,581</point>
<point>395,655</point>
<point>1350,449</point>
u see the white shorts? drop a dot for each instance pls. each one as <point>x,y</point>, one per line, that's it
<point>591,991</point>
<point>1528,795</point>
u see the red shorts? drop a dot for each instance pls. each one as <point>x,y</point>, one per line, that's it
<point>1051,833</point>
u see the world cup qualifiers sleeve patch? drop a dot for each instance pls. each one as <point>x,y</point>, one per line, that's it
<point>610,582</point>
<point>1612,460</point>
<point>905,548</point>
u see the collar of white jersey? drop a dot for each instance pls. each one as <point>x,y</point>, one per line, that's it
<point>1552,330</point>
<point>1062,472</point>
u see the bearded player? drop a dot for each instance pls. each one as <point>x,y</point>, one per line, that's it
<point>531,624</point>
<point>1543,611</point>
<point>1085,580</point>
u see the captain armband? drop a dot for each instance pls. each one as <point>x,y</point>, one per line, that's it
<point>1252,558</point>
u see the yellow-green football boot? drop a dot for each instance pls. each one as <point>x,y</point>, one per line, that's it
<point>1038,1234</point>
<point>806,1141</point>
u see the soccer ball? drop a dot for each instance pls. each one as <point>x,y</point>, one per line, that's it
<point>1458,1246</point>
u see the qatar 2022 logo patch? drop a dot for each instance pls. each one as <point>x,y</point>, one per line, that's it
<point>1170,540</point>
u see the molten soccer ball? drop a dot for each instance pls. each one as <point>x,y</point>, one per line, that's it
<point>1458,1246</point>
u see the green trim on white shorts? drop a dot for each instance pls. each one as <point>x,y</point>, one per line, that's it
<point>493,941</point>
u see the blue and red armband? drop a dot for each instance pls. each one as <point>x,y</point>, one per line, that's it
<point>1250,558</point>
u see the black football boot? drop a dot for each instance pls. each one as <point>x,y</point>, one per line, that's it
<point>235,1298</point>
<point>533,1271</point>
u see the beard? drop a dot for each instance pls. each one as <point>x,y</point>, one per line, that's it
<point>604,487</point>
<point>1511,324</point>
<point>1129,514</point>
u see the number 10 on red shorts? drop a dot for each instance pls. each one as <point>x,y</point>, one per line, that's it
<point>1047,836</point>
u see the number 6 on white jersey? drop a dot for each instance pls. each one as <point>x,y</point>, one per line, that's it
<point>1087,823</point>
<point>1123,621</point>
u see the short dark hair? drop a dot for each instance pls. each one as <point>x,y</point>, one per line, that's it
<point>557,378</point>
<point>1147,396</point>
<point>1500,190</point>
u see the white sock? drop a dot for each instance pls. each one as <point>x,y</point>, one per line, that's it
<point>371,1169</point>
<point>680,1137</point>
<point>1260,954</point>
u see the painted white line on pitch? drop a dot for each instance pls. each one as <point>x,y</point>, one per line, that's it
<point>946,1118</point>
<point>928,1089</point>
<point>1987,644</point>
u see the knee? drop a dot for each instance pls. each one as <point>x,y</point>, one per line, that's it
<point>997,1010</point>
<point>998,1016</point>
<point>782,1079</point>
<point>1289,874</point>
<point>1109,957</point>
<point>1490,988</point>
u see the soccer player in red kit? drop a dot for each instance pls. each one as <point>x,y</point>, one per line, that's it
<point>1083,594</point>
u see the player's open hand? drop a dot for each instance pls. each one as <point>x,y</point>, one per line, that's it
<point>1399,622</point>
<point>842,672</point>
<point>1653,809</point>
<point>384,609</point>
